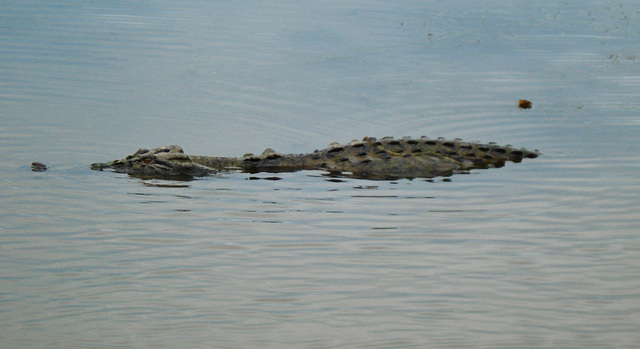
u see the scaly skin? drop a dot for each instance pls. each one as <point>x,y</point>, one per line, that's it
<point>387,158</point>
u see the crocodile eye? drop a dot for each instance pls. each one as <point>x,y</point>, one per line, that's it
<point>273,156</point>
<point>500,150</point>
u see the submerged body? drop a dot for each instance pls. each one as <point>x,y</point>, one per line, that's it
<point>387,158</point>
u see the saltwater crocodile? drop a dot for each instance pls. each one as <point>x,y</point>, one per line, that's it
<point>386,158</point>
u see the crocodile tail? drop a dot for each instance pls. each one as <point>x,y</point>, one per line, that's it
<point>469,155</point>
<point>478,155</point>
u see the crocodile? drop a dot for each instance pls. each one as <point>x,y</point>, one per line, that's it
<point>377,159</point>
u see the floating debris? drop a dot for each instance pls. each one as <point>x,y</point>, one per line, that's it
<point>524,104</point>
<point>38,167</point>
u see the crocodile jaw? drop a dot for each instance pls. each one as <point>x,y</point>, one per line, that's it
<point>168,162</point>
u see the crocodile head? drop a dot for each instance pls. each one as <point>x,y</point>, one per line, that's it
<point>162,162</point>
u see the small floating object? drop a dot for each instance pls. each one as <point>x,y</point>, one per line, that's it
<point>524,104</point>
<point>38,167</point>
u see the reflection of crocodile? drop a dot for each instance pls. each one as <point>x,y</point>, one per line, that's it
<point>387,158</point>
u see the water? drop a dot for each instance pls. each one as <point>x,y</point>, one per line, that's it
<point>539,254</point>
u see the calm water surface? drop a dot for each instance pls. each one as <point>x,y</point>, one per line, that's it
<point>543,254</point>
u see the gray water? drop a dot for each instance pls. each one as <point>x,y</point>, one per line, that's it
<point>543,254</point>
